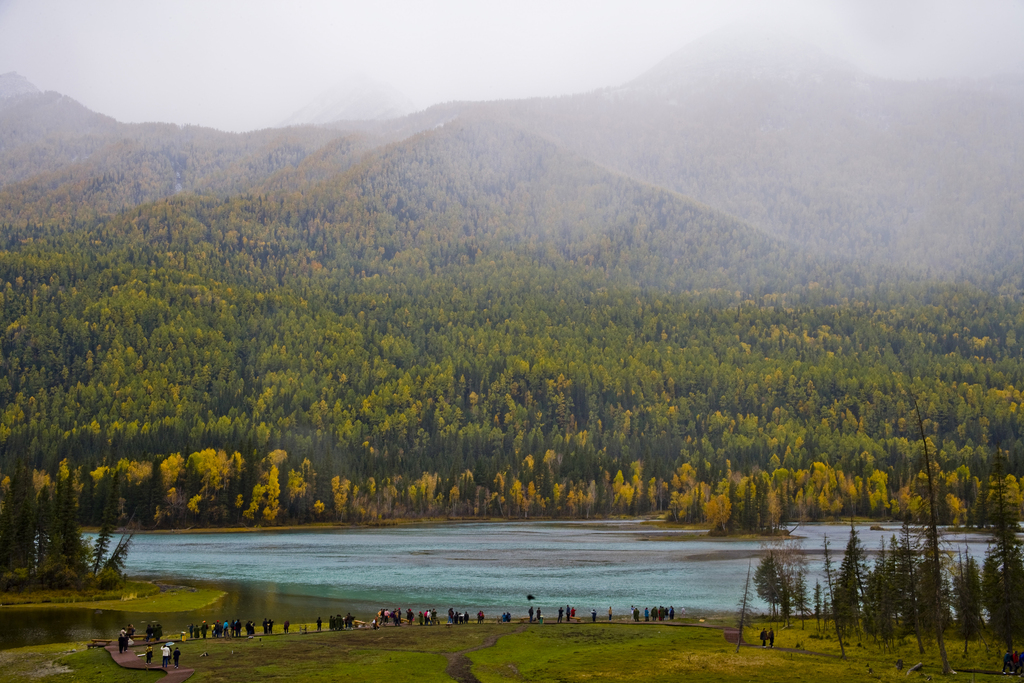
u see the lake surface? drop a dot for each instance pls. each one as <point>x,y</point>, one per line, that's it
<point>300,575</point>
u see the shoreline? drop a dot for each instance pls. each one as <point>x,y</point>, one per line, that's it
<point>653,524</point>
<point>165,599</point>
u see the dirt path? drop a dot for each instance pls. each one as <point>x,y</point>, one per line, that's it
<point>131,660</point>
<point>459,665</point>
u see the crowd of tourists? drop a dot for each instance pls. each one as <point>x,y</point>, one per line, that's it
<point>653,613</point>
<point>229,629</point>
<point>338,622</point>
<point>384,617</point>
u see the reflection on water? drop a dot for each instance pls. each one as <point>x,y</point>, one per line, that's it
<point>299,575</point>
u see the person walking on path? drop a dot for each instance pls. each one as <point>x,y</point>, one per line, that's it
<point>166,652</point>
<point>771,638</point>
<point>764,637</point>
<point>149,655</point>
<point>177,654</point>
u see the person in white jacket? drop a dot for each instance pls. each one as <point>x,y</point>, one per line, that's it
<point>166,652</point>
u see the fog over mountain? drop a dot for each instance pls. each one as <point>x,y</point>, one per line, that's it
<point>13,84</point>
<point>742,50</point>
<point>240,69</point>
<point>356,99</point>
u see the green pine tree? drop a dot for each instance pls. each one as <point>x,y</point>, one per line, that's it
<point>1003,575</point>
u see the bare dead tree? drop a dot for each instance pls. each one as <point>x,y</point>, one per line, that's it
<point>932,546</point>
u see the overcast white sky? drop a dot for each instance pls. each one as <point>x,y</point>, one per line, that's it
<point>239,65</point>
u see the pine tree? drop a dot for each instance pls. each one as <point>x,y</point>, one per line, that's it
<point>67,559</point>
<point>849,584</point>
<point>110,514</point>
<point>17,525</point>
<point>831,585</point>
<point>967,590</point>
<point>767,580</point>
<point>880,608</point>
<point>907,571</point>
<point>1004,567</point>
<point>800,595</point>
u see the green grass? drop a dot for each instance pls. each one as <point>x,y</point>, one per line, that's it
<point>860,647</point>
<point>43,597</point>
<point>134,596</point>
<point>564,653</point>
<point>57,664</point>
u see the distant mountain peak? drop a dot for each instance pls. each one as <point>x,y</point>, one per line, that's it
<point>357,99</point>
<point>13,84</point>
<point>744,51</point>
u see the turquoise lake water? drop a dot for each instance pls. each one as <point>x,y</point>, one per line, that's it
<point>299,575</point>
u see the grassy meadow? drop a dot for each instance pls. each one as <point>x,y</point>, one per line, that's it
<point>133,596</point>
<point>579,652</point>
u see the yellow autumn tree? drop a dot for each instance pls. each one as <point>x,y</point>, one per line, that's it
<point>717,511</point>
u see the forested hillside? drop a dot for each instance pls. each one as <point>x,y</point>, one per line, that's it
<point>473,321</point>
<point>60,162</point>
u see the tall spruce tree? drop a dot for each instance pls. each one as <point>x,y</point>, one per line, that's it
<point>109,524</point>
<point>908,570</point>
<point>1003,580</point>
<point>830,583</point>
<point>967,592</point>
<point>767,581</point>
<point>800,595</point>
<point>67,559</point>
<point>850,584</point>
<point>880,604</point>
<point>17,526</point>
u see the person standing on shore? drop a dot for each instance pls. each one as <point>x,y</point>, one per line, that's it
<point>609,612</point>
